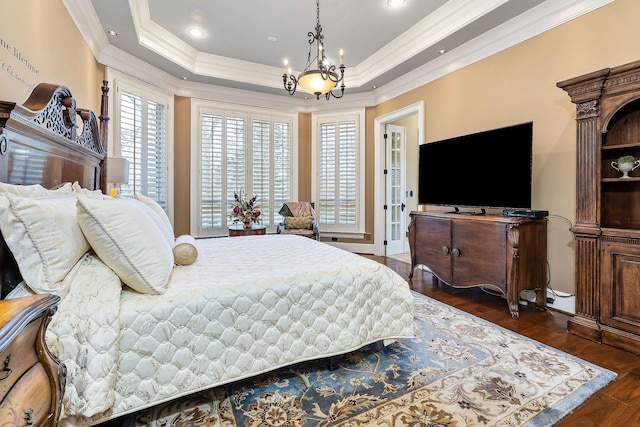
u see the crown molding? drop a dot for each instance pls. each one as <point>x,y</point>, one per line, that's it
<point>544,17</point>
<point>84,16</point>
<point>128,64</point>
<point>446,20</point>
<point>453,15</point>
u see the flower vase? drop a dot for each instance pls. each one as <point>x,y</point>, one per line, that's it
<point>248,224</point>
<point>625,167</point>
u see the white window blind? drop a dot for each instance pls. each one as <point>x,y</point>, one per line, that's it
<point>338,182</point>
<point>211,160</point>
<point>282,173</point>
<point>142,136</point>
<point>241,152</point>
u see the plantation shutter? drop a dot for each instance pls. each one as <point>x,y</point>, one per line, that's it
<point>347,179</point>
<point>211,180</point>
<point>338,181</point>
<point>236,153</point>
<point>222,168</point>
<point>328,174</point>
<point>241,152</point>
<point>261,159</point>
<point>281,167</point>
<point>143,141</point>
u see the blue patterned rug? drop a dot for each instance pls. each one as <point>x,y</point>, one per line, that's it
<point>459,371</point>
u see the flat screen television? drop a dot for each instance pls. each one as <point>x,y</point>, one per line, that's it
<point>490,169</point>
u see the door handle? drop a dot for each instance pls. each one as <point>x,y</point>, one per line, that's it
<point>402,206</point>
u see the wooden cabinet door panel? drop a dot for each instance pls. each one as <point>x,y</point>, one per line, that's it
<point>18,357</point>
<point>29,400</point>
<point>433,245</point>
<point>620,287</point>
<point>482,254</point>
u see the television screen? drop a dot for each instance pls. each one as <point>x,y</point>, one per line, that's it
<point>490,169</point>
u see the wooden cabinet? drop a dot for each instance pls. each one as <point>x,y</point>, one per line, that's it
<point>505,253</point>
<point>31,379</point>
<point>607,229</point>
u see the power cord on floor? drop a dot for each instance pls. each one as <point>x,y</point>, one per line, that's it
<point>551,300</point>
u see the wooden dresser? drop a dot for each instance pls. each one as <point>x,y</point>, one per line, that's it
<point>31,379</point>
<point>505,253</point>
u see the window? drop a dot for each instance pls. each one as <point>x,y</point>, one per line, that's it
<point>239,151</point>
<point>142,137</point>
<point>338,185</point>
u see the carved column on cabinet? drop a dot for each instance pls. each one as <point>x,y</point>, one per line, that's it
<point>586,92</point>
<point>513,263</point>
<point>587,228</point>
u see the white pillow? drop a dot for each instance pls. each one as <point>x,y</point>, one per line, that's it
<point>44,236</point>
<point>78,189</point>
<point>35,190</point>
<point>166,226</point>
<point>128,241</point>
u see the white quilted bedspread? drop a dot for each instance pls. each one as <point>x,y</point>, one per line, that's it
<point>247,305</point>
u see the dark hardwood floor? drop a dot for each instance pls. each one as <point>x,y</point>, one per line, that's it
<point>618,404</point>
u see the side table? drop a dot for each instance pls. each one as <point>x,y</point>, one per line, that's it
<point>240,230</point>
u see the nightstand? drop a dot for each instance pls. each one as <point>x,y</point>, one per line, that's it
<point>32,379</point>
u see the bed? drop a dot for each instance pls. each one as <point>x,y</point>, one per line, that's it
<point>134,328</point>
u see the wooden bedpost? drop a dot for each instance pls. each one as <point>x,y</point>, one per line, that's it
<point>104,133</point>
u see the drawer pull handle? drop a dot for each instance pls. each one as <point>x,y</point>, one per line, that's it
<point>455,252</point>
<point>445,250</point>
<point>6,371</point>
<point>27,416</point>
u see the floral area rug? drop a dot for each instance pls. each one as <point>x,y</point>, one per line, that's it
<point>459,371</point>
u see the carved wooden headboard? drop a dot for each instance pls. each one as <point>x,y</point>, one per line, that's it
<point>48,141</point>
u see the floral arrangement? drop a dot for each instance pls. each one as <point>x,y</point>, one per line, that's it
<point>626,159</point>
<point>243,210</point>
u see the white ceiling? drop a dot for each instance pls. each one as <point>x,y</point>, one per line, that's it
<point>246,41</point>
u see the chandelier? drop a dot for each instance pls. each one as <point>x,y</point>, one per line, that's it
<point>319,77</point>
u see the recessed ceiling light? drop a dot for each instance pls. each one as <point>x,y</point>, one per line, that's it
<point>395,3</point>
<point>442,51</point>
<point>272,38</point>
<point>112,33</point>
<point>195,32</point>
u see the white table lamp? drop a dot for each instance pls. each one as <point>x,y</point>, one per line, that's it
<point>117,173</point>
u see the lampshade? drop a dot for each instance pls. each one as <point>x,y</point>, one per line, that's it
<point>117,170</point>
<point>313,82</point>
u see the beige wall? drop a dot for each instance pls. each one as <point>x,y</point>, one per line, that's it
<point>519,85</point>
<point>304,156</point>
<point>182,165</point>
<point>40,43</point>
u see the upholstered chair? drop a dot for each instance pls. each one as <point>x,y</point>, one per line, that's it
<point>300,219</point>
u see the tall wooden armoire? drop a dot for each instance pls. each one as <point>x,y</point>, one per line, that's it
<point>607,229</point>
